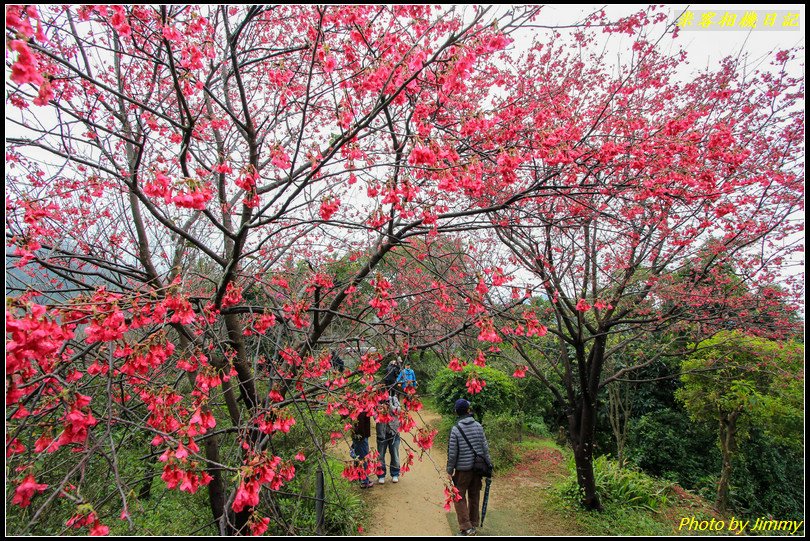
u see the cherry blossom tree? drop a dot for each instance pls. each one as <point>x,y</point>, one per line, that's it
<point>673,206</point>
<point>171,169</point>
<point>203,203</point>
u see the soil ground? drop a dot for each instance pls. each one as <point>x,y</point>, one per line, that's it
<point>518,498</point>
<point>414,506</point>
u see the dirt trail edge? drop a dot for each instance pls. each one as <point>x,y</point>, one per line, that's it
<point>414,506</point>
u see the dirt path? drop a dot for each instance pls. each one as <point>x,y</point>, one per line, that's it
<point>519,499</point>
<point>517,506</point>
<point>414,506</point>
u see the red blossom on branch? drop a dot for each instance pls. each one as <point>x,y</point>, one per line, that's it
<point>26,69</point>
<point>25,491</point>
<point>451,495</point>
<point>475,385</point>
<point>328,208</point>
<point>583,306</point>
<point>424,438</point>
<point>455,364</point>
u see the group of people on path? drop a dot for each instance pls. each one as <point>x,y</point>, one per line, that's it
<point>467,446</point>
<point>399,378</point>
<point>398,381</point>
<point>387,432</point>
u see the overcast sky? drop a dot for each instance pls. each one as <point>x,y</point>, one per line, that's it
<point>706,47</point>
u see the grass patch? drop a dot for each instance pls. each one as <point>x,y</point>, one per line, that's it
<point>534,443</point>
<point>633,503</point>
<point>167,513</point>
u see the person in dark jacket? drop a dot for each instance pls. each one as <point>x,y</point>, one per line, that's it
<point>460,459</point>
<point>337,362</point>
<point>360,435</point>
<point>391,375</point>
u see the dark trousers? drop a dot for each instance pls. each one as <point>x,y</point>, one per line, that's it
<point>361,450</point>
<point>467,508</point>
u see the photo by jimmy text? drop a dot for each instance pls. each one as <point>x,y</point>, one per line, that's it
<point>740,526</point>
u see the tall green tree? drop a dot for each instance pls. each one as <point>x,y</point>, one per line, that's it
<point>739,382</point>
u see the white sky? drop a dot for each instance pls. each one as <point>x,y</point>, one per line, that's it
<point>705,46</point>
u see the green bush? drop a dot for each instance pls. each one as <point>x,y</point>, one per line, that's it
<point>343,507</point>
<point>535,400</point>
<point>768,479</point>
<point>536,426</point>
<point>500,432</point>
<point>426,365</point>
<point>498,396</point>
<point>501,407</point>
<point>166,512</point>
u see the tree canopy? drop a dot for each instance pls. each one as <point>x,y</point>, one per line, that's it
<point>204,202</point>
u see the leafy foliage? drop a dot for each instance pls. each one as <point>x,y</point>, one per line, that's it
<point>762,379</point>
<point>501,433</point>
<point>624,487</point>
<point>769,479</point>
<point>667,444</point>
<point>499,395</point>
<point>739,382</point>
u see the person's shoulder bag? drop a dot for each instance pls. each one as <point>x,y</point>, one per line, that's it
<point>480,464</point>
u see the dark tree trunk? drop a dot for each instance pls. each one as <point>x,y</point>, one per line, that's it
<point>145,492</point>
<point>217,497</point>
<point>728,446</point>
<point>581,426</point>
<point>240,520</point>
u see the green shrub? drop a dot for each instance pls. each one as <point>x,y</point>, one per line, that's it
<point>535,400</point>
<point>343,507</point>
<point>768,479</point>
<point>444,427</point>
<point>503,433</point>
<point>500,432</point>
<point>426,365</point>
<point>536,426</point>
<point>498,396</point>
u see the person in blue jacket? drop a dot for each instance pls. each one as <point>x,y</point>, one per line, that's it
<point>407,379</point>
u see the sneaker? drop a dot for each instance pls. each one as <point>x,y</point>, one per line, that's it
<point>382,480</point>
<point>470,531</point>
<point>367,484</point>
<point>395,479</point>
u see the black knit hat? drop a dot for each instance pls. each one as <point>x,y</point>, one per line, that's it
<point>462,406</point>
